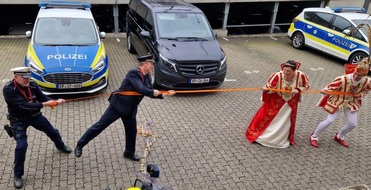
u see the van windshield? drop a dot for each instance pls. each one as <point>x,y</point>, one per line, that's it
<point>65,31</point>
<point>179,25</point>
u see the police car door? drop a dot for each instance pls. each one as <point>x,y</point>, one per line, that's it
<point>339,44</point>
<point>317,28</point>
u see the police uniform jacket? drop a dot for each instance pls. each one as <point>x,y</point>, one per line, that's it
<point>135,80</point>
<point>23,102</point>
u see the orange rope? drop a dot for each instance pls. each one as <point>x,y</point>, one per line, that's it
<point>134,93</point>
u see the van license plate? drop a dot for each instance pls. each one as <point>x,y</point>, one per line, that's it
<point>199,81</point>
<point>67,86</point>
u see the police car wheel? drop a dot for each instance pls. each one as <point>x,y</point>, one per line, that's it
<point>298,40</point>
<point>129,44</point>
<point>357,57</point>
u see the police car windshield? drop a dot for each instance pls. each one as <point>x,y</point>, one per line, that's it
<point>65,31</point>
<point>183,25</point>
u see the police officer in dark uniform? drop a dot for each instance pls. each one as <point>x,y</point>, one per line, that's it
<point>125,107</point>
<point>25,100</point>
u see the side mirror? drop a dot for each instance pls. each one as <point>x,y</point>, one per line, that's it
<point>28,34</point>
<point>215,34</point>
<point>102,35</point>
<point>347,32</point>
<point>144,33</point>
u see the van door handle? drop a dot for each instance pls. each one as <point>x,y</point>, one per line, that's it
<point>330,35</point>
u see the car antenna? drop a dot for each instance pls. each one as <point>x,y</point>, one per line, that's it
<point>172,6</point>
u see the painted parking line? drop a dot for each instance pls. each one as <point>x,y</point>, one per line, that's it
<point>230,80</point>
<point>251,72</point>
<point>224,38</point>
<point>316,69</point>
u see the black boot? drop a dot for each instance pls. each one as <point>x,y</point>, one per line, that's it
<point>18,182</point>
<point>78,151</point>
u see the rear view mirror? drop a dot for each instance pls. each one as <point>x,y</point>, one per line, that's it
<point>28,34</point>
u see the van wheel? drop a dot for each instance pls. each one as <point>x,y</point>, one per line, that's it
<point>357,57</point>
<point>297,40</point>
<point>129,44</point>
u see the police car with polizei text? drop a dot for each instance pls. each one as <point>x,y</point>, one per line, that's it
<point>333,31</point>
<point>66,53</point>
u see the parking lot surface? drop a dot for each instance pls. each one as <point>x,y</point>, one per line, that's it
<point>202,143</point>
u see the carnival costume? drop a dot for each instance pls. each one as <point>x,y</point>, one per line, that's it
<point>274,123</point>
<point>348,99</point>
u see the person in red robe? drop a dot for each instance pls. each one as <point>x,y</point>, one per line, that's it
<point>274,124</point>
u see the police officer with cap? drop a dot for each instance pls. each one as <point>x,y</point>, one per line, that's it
<point>25,100</point>
<point>125,107</point>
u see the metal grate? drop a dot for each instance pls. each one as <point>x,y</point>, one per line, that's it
<point>190,69</point>
<point>67,78</point>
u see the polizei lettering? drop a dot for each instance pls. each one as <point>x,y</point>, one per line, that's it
<point>67,56</point>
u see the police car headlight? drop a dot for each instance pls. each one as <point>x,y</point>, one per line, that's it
<point>169,64</point>
<point>99,66</point>
<point>223,62</point>
<point>34,67</point>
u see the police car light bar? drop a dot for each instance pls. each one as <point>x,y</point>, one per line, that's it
<point>349,9</point>
<point>64,4</point>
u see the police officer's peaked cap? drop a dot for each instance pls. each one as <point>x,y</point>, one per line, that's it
<point>23,71</point>
<point>148,57</point>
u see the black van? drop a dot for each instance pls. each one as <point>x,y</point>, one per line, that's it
<point>178,34</point>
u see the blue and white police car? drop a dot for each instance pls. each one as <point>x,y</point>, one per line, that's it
<point>332,31</point>
<point>66,53</point>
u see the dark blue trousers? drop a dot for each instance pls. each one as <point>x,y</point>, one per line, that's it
<point>110,116</point>
<point>40,123</point>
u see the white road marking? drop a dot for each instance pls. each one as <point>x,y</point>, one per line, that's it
<point>230,80</point>
<point>226,39</point>
<point>273,38</point>
<point>316,69</point>
<point>117,39</point>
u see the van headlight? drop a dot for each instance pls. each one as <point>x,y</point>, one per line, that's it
<point>169,64</point>
<point>223,62</point>
<point>99,66</point>
<point>34,67</point>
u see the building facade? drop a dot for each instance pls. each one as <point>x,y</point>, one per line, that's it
<point>229,17</point>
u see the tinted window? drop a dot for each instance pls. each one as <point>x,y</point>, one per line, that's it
<point>308,15</point>
<point>142,11</point>
<point>340,24</point>
<point>322,19</point>
<point>149,21</point>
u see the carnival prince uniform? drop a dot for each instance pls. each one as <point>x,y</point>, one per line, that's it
<point>25,100</point>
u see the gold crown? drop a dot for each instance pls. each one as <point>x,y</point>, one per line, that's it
<point>363,66</point>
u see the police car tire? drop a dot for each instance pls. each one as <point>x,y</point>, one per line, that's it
<point>129,44</point>
<point>298,40</point>
<point>356,57</point>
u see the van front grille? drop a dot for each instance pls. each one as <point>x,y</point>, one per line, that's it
<point>67,78</point>
<point>198,69</point>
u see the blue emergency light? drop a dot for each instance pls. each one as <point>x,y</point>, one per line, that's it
<point>64,4</point>
<point>349,9</point>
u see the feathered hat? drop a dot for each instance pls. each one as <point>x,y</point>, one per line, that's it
<point>363,66</point>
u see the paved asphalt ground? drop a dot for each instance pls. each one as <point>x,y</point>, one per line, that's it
<point>202,144</point>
